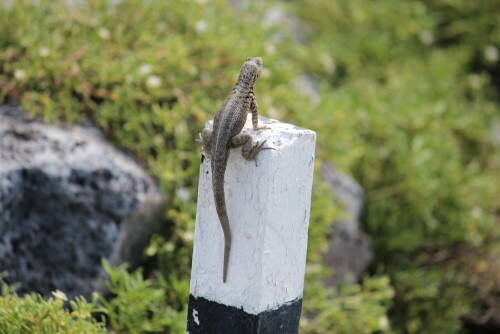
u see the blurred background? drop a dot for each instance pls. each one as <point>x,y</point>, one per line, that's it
<point>403,96</point>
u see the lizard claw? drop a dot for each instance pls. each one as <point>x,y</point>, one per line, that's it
<point>257,148</point>
<point>260,148</point>
<point>199,140</point>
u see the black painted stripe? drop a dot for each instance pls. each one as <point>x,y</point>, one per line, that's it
<point>208,317</point>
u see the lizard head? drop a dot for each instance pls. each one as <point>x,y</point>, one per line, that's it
<point>251,69</point>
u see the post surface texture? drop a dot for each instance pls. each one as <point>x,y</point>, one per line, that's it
<point>268,207</point>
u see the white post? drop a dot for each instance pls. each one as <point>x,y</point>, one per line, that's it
<point>268,207</point>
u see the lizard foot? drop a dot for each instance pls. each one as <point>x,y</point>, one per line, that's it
<point>256,149</point>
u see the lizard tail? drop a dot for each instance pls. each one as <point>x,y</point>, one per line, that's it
<point>227,249</point>
<point>220,205</point>
<point>224,223</point>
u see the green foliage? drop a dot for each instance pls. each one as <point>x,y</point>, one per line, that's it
<point>423,200</point>
<point>350,309</point>
<point>360,308</point>
<point>405,105</point>
<point>410,121</point>
<point>149,74</point>
<point>138,305</point>
<point>474,24</point>
<point>38,315</point>
<point>356,38</point>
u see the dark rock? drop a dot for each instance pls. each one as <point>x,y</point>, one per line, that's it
<point>349,251</point>
<point>67,200</point>
<point>487,323</point>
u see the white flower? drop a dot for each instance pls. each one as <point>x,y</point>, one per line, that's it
<point>270,49</point>
<point>161,27</point>
<point>19,74</point>
<point>158,140</point>
<point>188,236</point>
<point>60,295</point>
<point>475,81</point>
<point>201,26</point>
<point>145,69</point>
<point>477,212</point>
<point>328,62</point>
<point>183,194</point>
<point>104,33</point>
<point>153,81</point>
<point>44,52</point>
<point>265,73</point>
<point>169,246</point>
<point>491,54</point>
<point>75,69</point>
<point>273,112</point>
<point>383,322</point>
<point>426,37</point>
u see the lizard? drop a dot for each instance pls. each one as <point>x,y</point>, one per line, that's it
<point>225,135</point>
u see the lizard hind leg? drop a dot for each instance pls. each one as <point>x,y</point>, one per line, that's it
<point>250,148</point>
<point>206,140</point>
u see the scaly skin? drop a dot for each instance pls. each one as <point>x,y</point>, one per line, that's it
<point>228,123</point>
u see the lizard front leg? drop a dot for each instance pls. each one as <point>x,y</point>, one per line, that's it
<point>255,116</point>
<point>250,147</point>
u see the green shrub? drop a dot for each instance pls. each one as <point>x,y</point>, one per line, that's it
<point>360,308</point>
<point>410,121</point>
<point>474,24</point>
<point>37,315</point>
<point>138,305</point>
<point>404,106</point>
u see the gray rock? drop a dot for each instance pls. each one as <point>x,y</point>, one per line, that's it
<point>349,251</point>
<point>67,200</point>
